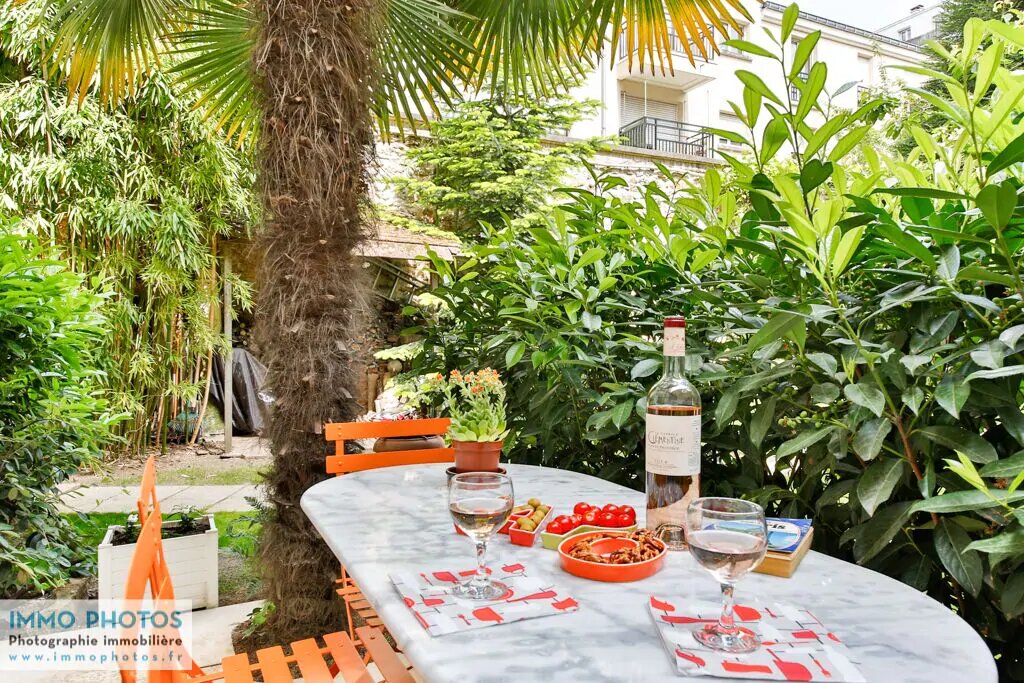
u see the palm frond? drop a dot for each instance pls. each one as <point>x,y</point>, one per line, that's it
<point>422,59</point>
<point>112,42</point>
<point>217,50</point>
<point>530,46</point>
<point>644,25</point>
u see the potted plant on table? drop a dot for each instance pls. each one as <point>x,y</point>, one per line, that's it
<point>475,403</point>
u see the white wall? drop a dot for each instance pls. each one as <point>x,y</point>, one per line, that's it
<point>848,55</point>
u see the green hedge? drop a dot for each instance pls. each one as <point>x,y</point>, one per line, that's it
<point>856,329</point>
<point>52,421</point>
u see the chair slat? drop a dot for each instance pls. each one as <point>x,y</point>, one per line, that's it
<point>346,658</point>
<point>334,431</point>
<point>383,656</point>
<point>236,669</point>
<point>273,665</point>
<point>343,464</point>
<point>311,662</point>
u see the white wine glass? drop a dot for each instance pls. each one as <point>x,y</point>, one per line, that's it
<point>728,537</point>
<point>480,503</point>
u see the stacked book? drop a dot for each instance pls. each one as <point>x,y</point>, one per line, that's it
<point>788,542</point>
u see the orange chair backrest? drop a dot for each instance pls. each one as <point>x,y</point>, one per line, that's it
<point>150,575</point>
<point>340,432</point>
<point>148,502</point>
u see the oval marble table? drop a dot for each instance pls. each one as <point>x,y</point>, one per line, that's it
<point>387,520</point>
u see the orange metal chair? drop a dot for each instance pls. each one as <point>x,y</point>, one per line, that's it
<point>342,463</point>
<point>149,569</point>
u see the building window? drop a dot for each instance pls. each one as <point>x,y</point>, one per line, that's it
<point>905,34</point>
<point>805,71</point>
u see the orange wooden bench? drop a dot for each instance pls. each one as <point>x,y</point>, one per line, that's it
<point>316,661</point>
<point>342,463</point>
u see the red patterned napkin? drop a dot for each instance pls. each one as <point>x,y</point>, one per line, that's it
<point>796,646</point>
<point>428,594</point>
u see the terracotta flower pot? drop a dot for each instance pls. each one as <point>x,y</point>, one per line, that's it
<point>477,456</point>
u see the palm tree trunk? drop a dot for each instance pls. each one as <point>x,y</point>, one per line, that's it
<point>315,66</point>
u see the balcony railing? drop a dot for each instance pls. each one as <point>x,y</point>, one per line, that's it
<point>676,45</point>
<point>673,137</point>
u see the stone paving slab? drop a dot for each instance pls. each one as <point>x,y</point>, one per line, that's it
<point>221,498</point>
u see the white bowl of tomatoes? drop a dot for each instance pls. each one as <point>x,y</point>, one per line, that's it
<point>586,517</point>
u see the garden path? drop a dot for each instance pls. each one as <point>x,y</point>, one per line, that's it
<point>218,498</point>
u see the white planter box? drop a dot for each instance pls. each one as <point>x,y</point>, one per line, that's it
<point>192,561</point>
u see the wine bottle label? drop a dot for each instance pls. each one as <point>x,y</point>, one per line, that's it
<point>673,445</point>
<point>675,341</point>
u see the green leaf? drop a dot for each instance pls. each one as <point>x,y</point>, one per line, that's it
<point>789,17</point>
<point>967,501</point>
<point>952,394</point>
<point>750,48</point>
<point>814,173</point>
<point>949,263</point>
<point>811,91</point>
<point>989,354</point>
<point>621,412</point>
<point>1009,155</point>
<point>877,483</point>
<point>803,441</point>
<point>754,82</point>
<point>803,52</point>
<point>782,325</point>
<point>593,255</point>
<point>774,136</point>
<point>824,393</point>
<point>964,565</point>
<point>844,253</point>
<point>1011,335</point>
<point>645,368</point>
<point>514,353</point>
<point>997,204</point>
<point>726,407</point>
<point>825,362</point>
<point>1012,602</point>
<point>927,192</point>
<point>591,321</point>
<point>763,418</point>
<point>868,440</point>
<point>879,531</point>
<point>906,243</point>
<point>1004,468</point>
<point>912,398</point>
<point>1011,542</point>
<point>957,439</point>
<point>866,395</point>
<point>1008,371</point>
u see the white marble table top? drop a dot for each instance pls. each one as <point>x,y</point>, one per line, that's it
<point>387,520</point>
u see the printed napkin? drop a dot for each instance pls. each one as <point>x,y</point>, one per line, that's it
<point>429,595</point>
<point>796,646</point>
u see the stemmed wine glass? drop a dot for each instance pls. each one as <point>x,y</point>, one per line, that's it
<point>480,503</point>
<point>727,537</point>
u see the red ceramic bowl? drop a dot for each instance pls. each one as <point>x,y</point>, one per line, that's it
<point>608,572</point>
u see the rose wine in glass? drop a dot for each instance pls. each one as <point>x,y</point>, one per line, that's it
<point>480,503</point>
<point>672,442</point>
<point>727,537</point>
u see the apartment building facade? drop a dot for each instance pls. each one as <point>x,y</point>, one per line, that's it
<point>666,114</point>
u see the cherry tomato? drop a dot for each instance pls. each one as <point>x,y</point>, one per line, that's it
<point>627,510</point>
<point>624,520</point>
<point>557,527</point>
<point>590,517</point>
<point>606,519</point>
<point>614,509</point>
<point>581,508</point>
<point>564,519</point>
<point>575,521</point>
